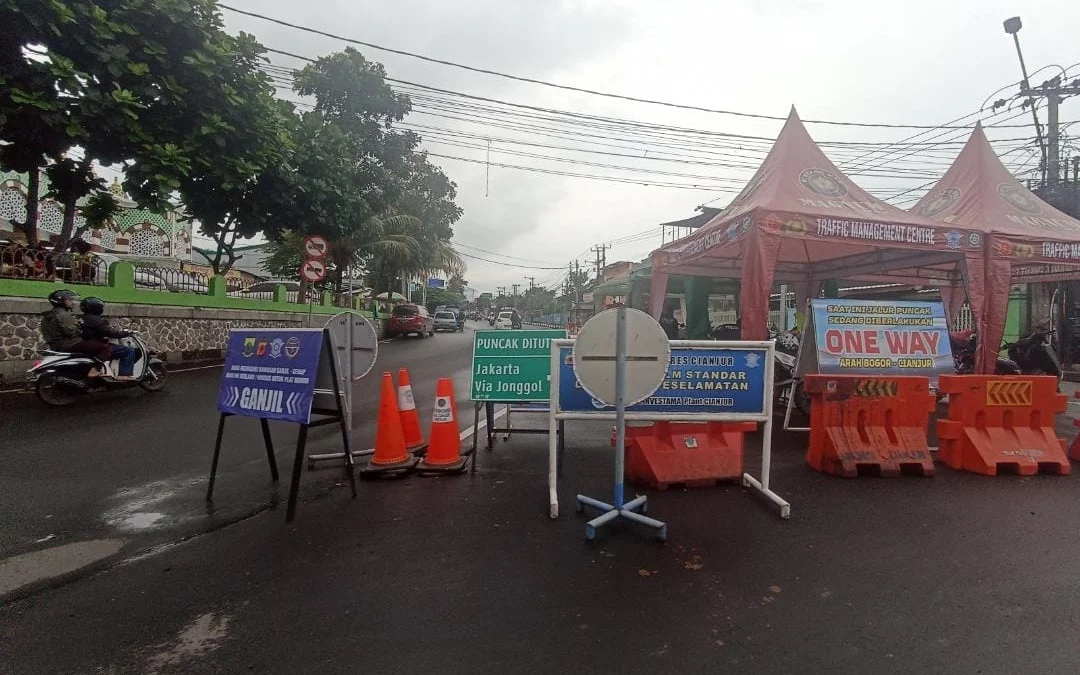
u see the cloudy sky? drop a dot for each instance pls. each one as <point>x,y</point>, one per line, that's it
<point>899,63</point>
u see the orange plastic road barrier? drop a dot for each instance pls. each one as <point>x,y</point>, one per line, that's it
<point>869,425</point>
<point>410,421</point>
<point>391,459</point>
<point>692,454</point>
<point>444,451</point>
<point>1001,422</point>
<point>1074,447</point>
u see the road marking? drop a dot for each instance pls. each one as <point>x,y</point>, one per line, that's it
<point>483,423</point>
<point>20,570</point>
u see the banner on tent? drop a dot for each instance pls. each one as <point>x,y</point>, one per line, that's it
<point>863,337</point>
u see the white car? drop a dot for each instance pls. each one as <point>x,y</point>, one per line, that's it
<point>447,320</point>
<point>504,321</point>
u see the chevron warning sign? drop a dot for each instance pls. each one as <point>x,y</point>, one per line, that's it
<point>1008,393</point>
<point>875,388</point>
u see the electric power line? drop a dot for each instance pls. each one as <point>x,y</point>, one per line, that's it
<point>582,90</point>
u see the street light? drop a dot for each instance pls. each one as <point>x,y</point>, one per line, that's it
<point>1012,26</point>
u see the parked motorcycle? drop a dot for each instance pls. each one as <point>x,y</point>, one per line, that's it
<point>1030,355</point>
<point>1035,354</point>
<point>59,378</point>
<point>786,381</point>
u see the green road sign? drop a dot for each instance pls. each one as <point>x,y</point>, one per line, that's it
<point>512,365</point>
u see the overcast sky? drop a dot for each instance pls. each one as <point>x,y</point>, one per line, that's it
<point>907,63</point>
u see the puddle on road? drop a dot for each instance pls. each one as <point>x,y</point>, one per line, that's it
<point>139,521</point>
<point>197,639</point>
<point>20,570</point>
<point>139,509</point>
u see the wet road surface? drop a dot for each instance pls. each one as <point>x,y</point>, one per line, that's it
<point>952,574</point>
<point>133,466</point>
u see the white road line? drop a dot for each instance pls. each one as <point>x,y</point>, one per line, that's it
<point>185,370</point>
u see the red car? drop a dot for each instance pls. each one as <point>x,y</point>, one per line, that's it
<point>407,319</point>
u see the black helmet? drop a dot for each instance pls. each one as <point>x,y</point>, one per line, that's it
<point>57,298</point>
<point>92,306</point>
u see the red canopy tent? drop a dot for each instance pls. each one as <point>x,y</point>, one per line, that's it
<point>801,221</point>
<point>1027,240</point>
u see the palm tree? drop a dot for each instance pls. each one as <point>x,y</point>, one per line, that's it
<point>405,248</point>
<point>387,247</point>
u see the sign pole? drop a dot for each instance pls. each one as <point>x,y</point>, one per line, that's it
<point>620,405</point>
<point>652,364</point>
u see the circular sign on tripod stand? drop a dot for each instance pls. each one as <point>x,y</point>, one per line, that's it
<point>648,355</point>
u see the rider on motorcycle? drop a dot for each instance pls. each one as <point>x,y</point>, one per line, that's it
<point>60,329</point>
<point>96,327</point>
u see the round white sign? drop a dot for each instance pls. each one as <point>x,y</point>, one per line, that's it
<point>363,343</point>
<point>648,355</point>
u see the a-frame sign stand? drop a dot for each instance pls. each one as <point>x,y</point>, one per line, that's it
<point>335,415</point>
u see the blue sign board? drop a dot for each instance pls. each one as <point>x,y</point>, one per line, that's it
<point>270,374</point>
<point>876,337</point>
<point>436,283</point>
<point>699,381</point>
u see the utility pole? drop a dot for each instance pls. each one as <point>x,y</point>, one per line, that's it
<point>601,260</point>
<point>1054,91</point>
<point>516,287</point>
<point>532,282</point>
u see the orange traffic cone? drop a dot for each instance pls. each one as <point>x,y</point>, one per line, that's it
<point>390,459</point>
<point>410,421</point>
<point>444,449</point>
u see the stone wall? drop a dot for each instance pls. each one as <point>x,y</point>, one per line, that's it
<point>182,333</point>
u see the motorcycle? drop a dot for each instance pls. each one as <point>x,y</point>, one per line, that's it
<point>59,378</point>
<point>786,381</point>
<point>1030,355</point>
<point>1034,354</point>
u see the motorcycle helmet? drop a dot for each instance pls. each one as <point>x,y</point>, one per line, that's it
<point>57,298</point>
<point>92,306</point>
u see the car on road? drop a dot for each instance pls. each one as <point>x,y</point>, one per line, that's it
<point>447,320</point>
<point>406,319</point>
<point>505,321</point>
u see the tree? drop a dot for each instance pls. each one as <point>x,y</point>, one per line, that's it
<point>438,296</point>
<point>387,237</point>
<point>350,158</point>
<point>357,181</point>
<point>429,195</point>
<point>457,284</point>
<point>34,123</point>
<point>98,73</point>
<point>227,140</point>
<point>154,84</point>
<point>100,208</point>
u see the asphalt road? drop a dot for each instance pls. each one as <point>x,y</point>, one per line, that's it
<point>957,573</point>
<point>953,574</point>
<point>132,466</point>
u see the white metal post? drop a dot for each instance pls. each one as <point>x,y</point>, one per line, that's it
<point>620,404</point>
<point>553,429</point>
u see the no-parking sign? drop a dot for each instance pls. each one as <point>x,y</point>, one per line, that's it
<point>316,246</point>
<point>313,270</point>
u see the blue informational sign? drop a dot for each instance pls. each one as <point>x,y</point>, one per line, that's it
<point>863,337</point>
<point>270,374</point>
<point>436,283</point>
<point>699,381</point>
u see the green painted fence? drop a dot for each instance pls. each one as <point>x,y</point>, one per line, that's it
<point>121,288</point>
